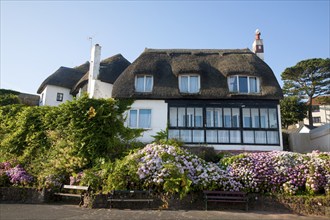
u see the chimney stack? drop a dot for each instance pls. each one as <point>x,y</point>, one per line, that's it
<point>258,45</point>
<point>94,69</point>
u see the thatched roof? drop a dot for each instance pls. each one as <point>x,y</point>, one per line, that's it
<point>63,77</point>
<point>110,69</point>
<point>77,77</point>
<point>213,66</point>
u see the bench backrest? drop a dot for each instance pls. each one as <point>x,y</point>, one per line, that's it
<point>86,188</point>
<point>225,193</point>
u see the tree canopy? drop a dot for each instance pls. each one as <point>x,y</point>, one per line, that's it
<point>307,79</point>
<point>292,111</point>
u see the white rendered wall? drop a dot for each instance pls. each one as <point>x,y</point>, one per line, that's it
<point>324,114</point>
<point>158,117</point>
<point>50,95</point>
<point>100,89</point>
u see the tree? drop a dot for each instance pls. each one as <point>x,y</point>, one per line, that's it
<point>307,79</point>
<point>292,111</point>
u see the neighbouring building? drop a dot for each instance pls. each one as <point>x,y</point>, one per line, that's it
<point>66,83</point>
<point>320,111</point>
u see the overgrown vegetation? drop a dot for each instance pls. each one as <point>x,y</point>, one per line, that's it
<point>59,141</point>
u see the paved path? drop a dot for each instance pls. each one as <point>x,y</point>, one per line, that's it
<point>73,212</point>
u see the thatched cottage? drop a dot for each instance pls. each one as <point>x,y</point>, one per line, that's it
<point>228,99</point>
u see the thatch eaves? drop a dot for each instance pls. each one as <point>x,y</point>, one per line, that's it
<point>110,69</point>
<point>213,66</point>
<point>64,77</point>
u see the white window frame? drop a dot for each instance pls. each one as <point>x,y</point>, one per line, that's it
<point>189,89</point>
<point>138,118</point>
<point>248,84</point>
<point>144,83</point>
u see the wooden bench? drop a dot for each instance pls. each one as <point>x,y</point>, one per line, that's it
<point>130,196</point>
<point>83,191</point>
<point>225,197</point>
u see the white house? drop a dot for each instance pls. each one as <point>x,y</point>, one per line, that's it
<point>224,98</point>
<point>227,99</point>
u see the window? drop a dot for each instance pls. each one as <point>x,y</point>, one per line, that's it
<point>59,97</point>
<point>243,84</point>
<point>316,119</point>
<point>139,118</point>
<point>219,124</point>
<point>189,83</point>
<point>143,83</point>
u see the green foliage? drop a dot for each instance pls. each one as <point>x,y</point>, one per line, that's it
<point>8,91</point>
<point>307,79</point>
<point>226,161</point>
<point>176,182</point>
<point>9,99</point>
<point>58,141</point>
<point>292,110</point>
<point>123,175</point>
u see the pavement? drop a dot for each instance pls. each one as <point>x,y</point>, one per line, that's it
<point>73,212</point>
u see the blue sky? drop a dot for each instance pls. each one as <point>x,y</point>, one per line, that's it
<point>37,37</point>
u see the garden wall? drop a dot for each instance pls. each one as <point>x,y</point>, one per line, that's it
<point>305,205</point>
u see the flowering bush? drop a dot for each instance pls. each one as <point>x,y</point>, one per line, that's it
<point>282,171</point>
<point>173,170</point>
<point>17,175</point>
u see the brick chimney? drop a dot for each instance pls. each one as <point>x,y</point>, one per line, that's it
<point>94,69</point>
<point>258,45</point>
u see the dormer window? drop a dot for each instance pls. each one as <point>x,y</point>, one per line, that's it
<point>143,83</point>
<point>244,84</point>
<point>189,83</point>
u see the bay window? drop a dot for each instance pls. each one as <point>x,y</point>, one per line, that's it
<point>229,124</point>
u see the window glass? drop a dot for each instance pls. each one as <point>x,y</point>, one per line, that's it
<point>194,84</point>
<point>189,84</point>
<point>235,117</point>
<point>144,118</point>
<point>174,134</point>
<point>148,84</point>
<point>235,137</point>
<point>233,83</point>
<point>248,137</point>
<point>133,119</point>
<point>255,117</point>
<point>272,137</point>
<point>227,117</point>
<point>260,137</point>
<point>198,136</point>
<point>218,117</point>
<point>223,136</point>
<point>211,136</point>
<point>59,97</point>
<point>181,117</point>
<point>246,118</point>
<point>263,118</point>
<point>190,117</point>
<point>198,117</point>
<point>139,84</point>
<point>253,84</point>
<point>243,84</point>
<point>209,117</point>
<point>173,116</point>
<point>184,84</point>
<point>186,135</point>
<point>143,83</point>
<point>272,118</point>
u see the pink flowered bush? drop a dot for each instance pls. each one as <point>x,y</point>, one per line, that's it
<point>18,176</point>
